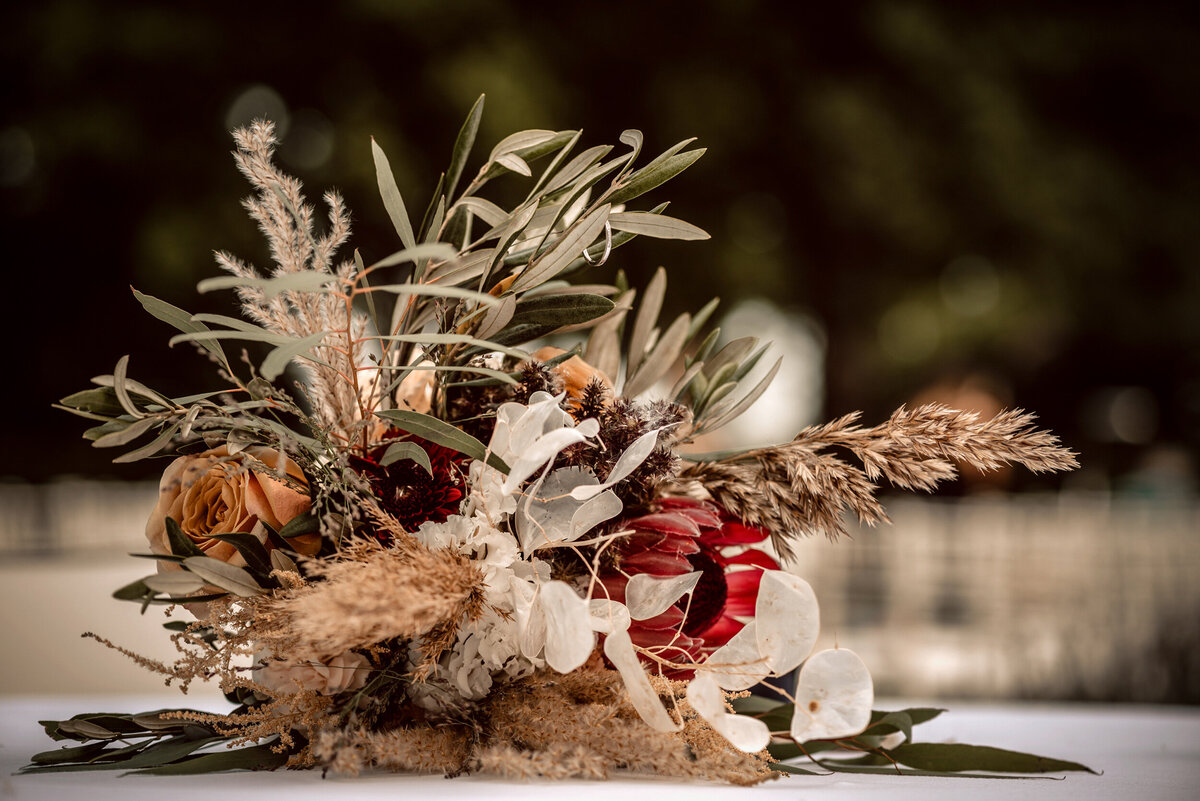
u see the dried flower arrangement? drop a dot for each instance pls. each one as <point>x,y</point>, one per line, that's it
<point>452,550</point>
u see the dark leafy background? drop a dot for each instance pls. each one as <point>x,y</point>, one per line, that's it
<point>855,151</point>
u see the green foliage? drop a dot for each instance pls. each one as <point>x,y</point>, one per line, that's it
<point>925,759</point>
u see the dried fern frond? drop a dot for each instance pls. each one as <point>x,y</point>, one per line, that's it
<point>799,488</point>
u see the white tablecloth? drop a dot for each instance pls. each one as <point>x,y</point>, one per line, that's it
<point>1145,753</point>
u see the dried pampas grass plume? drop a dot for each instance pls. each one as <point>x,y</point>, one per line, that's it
<point>372,594</point>
<point>799,488</point>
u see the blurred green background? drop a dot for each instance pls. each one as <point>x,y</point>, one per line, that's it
<point>957,196</point>
<point>984,204</point>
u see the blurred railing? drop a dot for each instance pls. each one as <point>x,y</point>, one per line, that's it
<point>1068,596</point>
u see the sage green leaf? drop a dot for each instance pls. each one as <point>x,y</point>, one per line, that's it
<point>152,756</point>
<point>442,433</point>
<point>954,757</point>
<point>174,583</point>
<point>701,317</point>
<point>553,166</point>
<point>279,358</point>
<point>783,767</point>
<point>398,451</point>
<point>360,274</point>
<point>230,322</point>
<point>428,290</point>
<point>123,398</point>
<point>177,317</point>
<point>134,591</point>
<point>102,401</point>
<point>306,523</point>
<point>248,545</point>
<point>427,250</point>
<point>750,397</point>
<point>153,447</point>
<point>520,141</point>
<point>845,766</point>
<point>87,730</point>
<point>154,721</point>
<point>485,210</point>
<point>514,163</point>
<point>135,388</point>
<point>657,226</point>
<point>462,146</point>
<point>257,757</point>
<point>181,544</point>
<point>565,249</point>
<point>221,574</point>
<point>454,339</point>
<point>685,381</point>
<point>467,268</point>
<point>283,563</point>
<point>576,166</point>
<point>653,175</point>
<point>889,723</point>
<point>127,433</point>
<point>243,336</point>
<point>390,192</point>
<point>646,319</point>
<point>660,359</point>
<point>301,281</point>
<point>508,234</point>
<point>634,138</point>
<point>435,227</point>
<point>538,316</point>
<point>78,753</point>
<point>495,319</point>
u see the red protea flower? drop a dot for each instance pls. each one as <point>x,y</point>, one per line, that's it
<point>684,536</point>
<point>407,491</point>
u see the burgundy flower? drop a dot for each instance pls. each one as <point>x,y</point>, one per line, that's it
<point>407,491</point>
<point>684,536</point>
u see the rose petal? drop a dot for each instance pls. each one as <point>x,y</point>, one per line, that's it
<point>834,694</point>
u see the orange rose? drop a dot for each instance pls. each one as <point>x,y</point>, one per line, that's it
<point>209,493</point>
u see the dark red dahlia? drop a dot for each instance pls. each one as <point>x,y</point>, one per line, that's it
<point>407,491</point>
<point>684,536</point>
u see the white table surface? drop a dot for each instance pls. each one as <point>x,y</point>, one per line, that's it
<point>1144,752</point>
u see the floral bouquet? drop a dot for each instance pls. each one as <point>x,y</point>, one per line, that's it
<point>450,522</point>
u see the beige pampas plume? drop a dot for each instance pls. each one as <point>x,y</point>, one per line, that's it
<point>799,488</point>
<point>341,394</point>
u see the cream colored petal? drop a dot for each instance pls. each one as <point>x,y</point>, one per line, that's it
<point>569,637</point>
<point>834,694</point>
<point>743,733</point>
<point>738,665</point>
<point>608,616</point>
<point>619,650</point>
<point>787,620</point>
<point>648,596</point>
